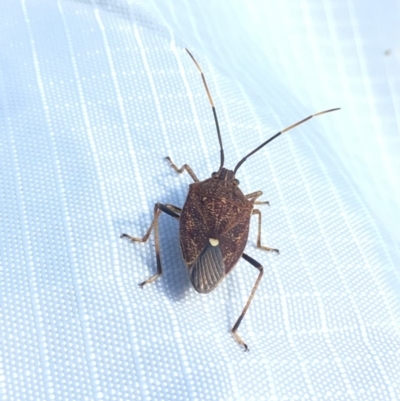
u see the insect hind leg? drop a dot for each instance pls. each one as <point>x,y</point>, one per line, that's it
<point>257,265</point>
<point>184,167</point>
<point>171,210</point>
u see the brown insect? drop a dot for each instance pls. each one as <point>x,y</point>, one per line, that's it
<point>214,223</point>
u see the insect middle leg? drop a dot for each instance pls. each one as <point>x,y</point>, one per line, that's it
<point>254,196</point>
<point>184,167</point>
<point>171,210</point>
<point>253,291</point>
<point>266,248</point>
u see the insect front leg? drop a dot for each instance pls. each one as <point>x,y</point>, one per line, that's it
<point>253,291</point>
<point>171,210</point>
<point>184,167</point>
<point>266,248</point>
<point>254,195</point>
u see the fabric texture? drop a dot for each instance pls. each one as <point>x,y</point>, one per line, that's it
<point>94,95</point>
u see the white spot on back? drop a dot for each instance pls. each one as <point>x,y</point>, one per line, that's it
<point>213,241</point>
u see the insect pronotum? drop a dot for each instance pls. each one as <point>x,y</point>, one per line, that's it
<point>214,222</point>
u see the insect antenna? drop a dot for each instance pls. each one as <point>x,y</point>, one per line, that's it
<point>213,109</point>
<point>279,133</point>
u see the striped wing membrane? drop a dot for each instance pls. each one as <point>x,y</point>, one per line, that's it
<point>208,269</point>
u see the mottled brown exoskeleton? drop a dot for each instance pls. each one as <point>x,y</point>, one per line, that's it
<point>214,223</point>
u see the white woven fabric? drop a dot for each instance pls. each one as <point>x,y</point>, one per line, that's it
<point>93,96</point>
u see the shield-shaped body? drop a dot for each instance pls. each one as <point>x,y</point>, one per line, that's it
<point>214,226</point>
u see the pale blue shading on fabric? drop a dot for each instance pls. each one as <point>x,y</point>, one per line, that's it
<point>93,96</point>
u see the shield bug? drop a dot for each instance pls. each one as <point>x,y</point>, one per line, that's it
<point>214,222</point>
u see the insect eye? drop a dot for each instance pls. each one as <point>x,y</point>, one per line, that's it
<point>214,174</point>
<point>236,181</point>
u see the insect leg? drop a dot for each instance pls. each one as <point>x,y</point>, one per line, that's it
<point>254,196</point>
<point>184,167</point>
<point>266,248</point>
<point>175,209</point>
<point>253,291</point>
<point>171,210</point>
